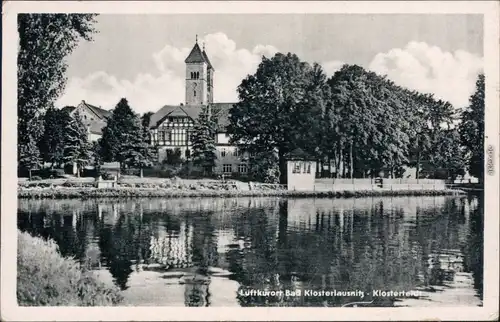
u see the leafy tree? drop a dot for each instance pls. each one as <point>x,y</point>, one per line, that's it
<point>27,158</point>
<point>369,122</point>
<point>52,141</point>
<point>77,148</point>
<point>96,156</point>
<point>278,108</point>
<point>263,167</point>
<point>448,155</point>
<point>203,141</point>
<point>44,41</point>
<point>472,131</point>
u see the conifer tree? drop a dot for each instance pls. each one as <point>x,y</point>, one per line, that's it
<point>203,140</point>
<point>123,138</point>
<point>77,148</point>
<point>135,151</point>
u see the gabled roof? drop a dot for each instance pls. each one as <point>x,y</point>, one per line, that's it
<point>196,55</point>
<point>102,113</point>
<point>99,112</point>
<point>298,154</point>
<point>192,111</point>
<point>157,118</point>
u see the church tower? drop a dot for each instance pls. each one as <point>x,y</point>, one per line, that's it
<point>199,77</point>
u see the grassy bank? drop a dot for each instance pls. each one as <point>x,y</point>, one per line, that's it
<point>127,192</point>
<point>45,278</point>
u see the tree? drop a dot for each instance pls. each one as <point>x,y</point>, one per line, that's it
<point>52,141</point>
<point>263,167</point>
<point>145,120</point>
<point>203,141</point>
<point>135,151</point>
<point>472,131</point>
<point>121,130</point>
<point>44,41</point>
<point>123,138</point>
<point>96,155</point>
<point>77,148</point>
<point>369,122</point>
<point>278,108</point>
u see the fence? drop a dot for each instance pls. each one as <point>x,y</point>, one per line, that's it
<point>370,181</point>
<point>373,184</point>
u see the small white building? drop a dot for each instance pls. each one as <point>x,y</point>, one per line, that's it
<point>301,171</point>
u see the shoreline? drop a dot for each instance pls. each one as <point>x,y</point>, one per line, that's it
<point>122,192</point>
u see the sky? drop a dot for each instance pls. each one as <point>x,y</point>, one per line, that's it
<point>141,57</point>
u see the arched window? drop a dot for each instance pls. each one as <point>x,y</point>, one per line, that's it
<point>197,75</point>
<point>195,93</point>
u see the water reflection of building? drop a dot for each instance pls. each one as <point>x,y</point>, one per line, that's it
<point>343,243</point>
<point>173,249</point>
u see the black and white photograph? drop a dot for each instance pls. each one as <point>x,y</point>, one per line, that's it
<point>184,156</point>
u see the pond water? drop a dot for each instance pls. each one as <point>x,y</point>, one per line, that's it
<point>223,252</point>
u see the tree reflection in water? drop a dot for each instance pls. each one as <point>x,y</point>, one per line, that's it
<point>275,245</point>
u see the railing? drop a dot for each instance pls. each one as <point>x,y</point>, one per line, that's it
<point>384,186</point>
<point>267,186</point>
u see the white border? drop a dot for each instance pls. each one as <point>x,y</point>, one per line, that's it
<point>10,310</point>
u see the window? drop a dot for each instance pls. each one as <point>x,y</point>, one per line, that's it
<point>178,136</point>
<point>194,93</point>
<point>227,168</point>
<point>237,153</point>
<point>242,168</point>
<point>296,167</point>
<point>308,167</point>
<point>161,136</point>
<point>223,153</point>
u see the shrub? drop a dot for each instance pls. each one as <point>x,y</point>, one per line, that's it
<point>105,175</point>
<point>36,178</point>
<point>45,278</point>
<point>131,172</point>
<point>76,184</point>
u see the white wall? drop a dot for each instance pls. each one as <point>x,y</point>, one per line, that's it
<point>301,181</point>
<point>94,137</point>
